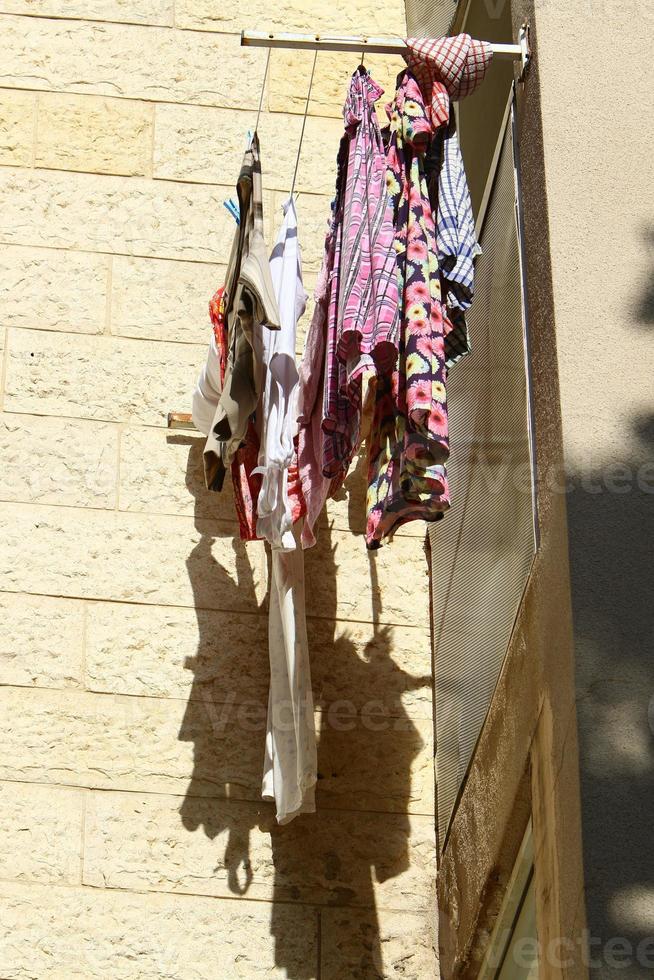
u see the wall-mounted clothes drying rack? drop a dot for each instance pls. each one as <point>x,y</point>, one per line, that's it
<point>361,45</point>
<point>370,45</point>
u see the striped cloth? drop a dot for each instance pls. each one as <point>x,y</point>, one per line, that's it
<point>368,318</point>
<point>455,233</point>
<point>363,317</point>
<point>340,421</point>
<point>448,68</point>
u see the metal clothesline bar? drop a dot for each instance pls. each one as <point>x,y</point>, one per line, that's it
<point>373,45</point>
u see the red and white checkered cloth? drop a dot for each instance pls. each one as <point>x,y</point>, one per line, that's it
<point>447,68</point>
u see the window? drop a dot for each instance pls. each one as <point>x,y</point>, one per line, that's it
<point>512,952</point>
<point>482,551</point>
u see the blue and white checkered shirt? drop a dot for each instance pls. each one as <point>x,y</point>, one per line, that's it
<point>455,234</point>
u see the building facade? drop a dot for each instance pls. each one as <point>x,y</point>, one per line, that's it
<point>545,866</point>
<point>133,656</point>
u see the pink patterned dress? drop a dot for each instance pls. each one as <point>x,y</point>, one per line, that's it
<point>409,434</point>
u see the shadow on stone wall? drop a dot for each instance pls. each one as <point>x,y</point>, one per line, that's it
<point>611,531</point>
<point>333,857</point>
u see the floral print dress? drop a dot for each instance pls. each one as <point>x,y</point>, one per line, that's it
<point>409,433</point>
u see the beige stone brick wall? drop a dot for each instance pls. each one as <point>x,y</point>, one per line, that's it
<point>133,649</point>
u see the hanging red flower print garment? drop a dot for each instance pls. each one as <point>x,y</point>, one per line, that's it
<point>409,434</point>
<point>246,483</point>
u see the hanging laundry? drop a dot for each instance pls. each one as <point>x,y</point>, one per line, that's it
<point>455,235</point>
<point>277,511</point>
<point>290,763</point>
<point>316,488</point>
<point>447,68</point>
<point>249,304</point>
<point>396,279</point>
<point>367,315</point>
<point>290,766</point>
<point>206,398</point>
<point>355,326</point>
<point>264,471</point>
<point>363,319</point>
<point>409,433</point>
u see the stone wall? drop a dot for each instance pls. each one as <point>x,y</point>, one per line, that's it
<point>133,654</point>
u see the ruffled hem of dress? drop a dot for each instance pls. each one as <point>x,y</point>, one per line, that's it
<point>433,510</point>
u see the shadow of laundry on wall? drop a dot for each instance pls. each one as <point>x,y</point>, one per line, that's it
<point>358,841</point>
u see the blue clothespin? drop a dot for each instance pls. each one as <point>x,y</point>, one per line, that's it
<point>230,203</point>
<point>233,209</point>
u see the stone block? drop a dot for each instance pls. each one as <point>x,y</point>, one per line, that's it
<point>205,749</point>
<point>396,945</point>
<point>94,554</point>
<point>95,933</point>
<point>53,289</point>
<point>158,299</point>
<point>389,585</point>
<point>371,670</point>
<point>51,461</point>
<point>225,848</point>
<point>96,213</point>
<point>41,833</point>
<point>102,378</point>
<point>209,655</point>
<point>178,653</point>
<point>3,336</point>
<point>135,744</point>
<point>125,11</point>
<point>342,17</point>
<point>173,480</point>
<point>374,762</point>
<point>206,144</point>
<point>17,111</point>
<point>135,557</point>
<point>129,61</point>
<point>94,134</point>
<point>41,641</point>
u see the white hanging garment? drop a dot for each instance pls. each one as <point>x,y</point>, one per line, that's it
<point>278,405</point>
<point>290,764</point>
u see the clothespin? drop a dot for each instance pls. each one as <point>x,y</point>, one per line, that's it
<point>233,209</point>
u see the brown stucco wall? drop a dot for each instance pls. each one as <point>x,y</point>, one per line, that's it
<point>570,727</point>
<point>599,174</point>
<point>526,757</point>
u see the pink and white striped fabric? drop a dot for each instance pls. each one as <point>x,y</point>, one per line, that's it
<point>363,319</point>
<point>368,317</point>
<point>448,68</point>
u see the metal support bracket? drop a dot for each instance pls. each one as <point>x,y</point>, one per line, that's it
<point>525,49</point>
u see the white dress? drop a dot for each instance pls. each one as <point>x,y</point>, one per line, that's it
<point>290,765</point>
